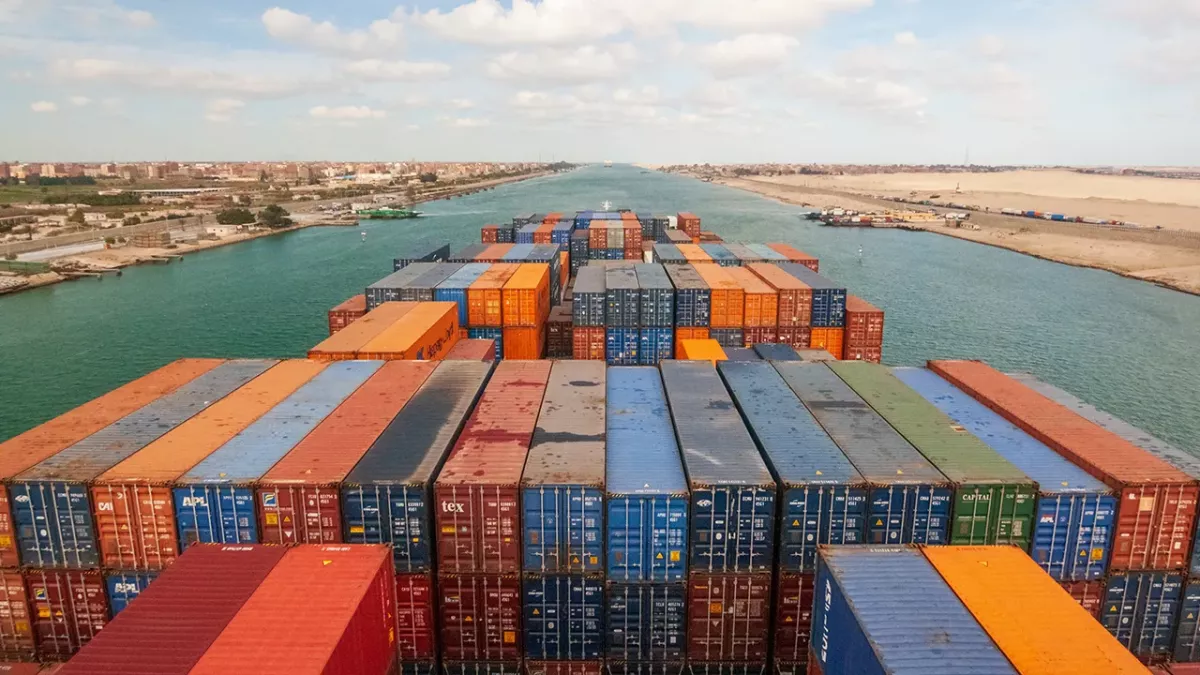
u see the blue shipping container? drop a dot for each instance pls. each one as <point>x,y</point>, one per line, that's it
<point>767,252</point>
<point>828,298</point>
<point>1187,633</point>
<point>733,495</point>
<point>52,507</point>
<point>1141,610</point>
<point>519,252</point>
<point>1075,512</point>
<point>386,496</point>
<point>454,289</point>
<point>655,345</point>
<point>647,489</point>
<point>494,334</point>
<point>123,587</point>
<point>214,502</point>
<point>525,234</point>
<point>646,622</point>
<point>621,346</point>
<point>721,255</point>
<point>564,616</point>
<point>823,499</point>
<point>886,610</point>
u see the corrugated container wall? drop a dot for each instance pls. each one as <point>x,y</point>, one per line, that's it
<point>1187,632</point>
<point>485,301</point>
<point>53,504</point>
<point>69,607</point>
<point>348,311</point>
<point>16,626</point>
<point>480,622</point>
<point>454,288</point>
<point>564,616</point>
<point>622,298</point>
<point>733,495</point>
<point>1141,609</point>
<point>345,344</point>
<point>657,297</point>
<point>1074,515</point>
<point>589,307</point>
<point>994,500</point>
<point>422,288</point>
<point>693,298</point>
<point>829,298</point>
<point>125,587</point>
<point>389,288</point>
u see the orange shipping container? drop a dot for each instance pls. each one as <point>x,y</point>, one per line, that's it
<point>21,452</point>
<point>424,334</point>
<point>588,343</point>
<point>564,269</point>
<point>1029,617</point>
<point>700,350</point>
<point>345,344</point>
<point>796,255</point>
<point>526,296</point>
<point>795,297</point>
<point>864,323</point>
<point>542,234</point>
<point>682,333</point>
<point>524,343</point>
<point>760,300</point>
<point>341,316</point>
<point>829,339</point>
<point>485,298</point>
<point>552,218</point>
<point>135,513</point>
<point>299,498</point>
<point>726,297</point>
<point>694,254</point>
<point>493,253</point>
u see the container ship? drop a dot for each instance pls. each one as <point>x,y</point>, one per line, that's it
<point>605,442</point>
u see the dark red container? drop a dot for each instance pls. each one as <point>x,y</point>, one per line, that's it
<point>872,354</point>
<point>472,350</point>
<point>759,336</point>
<point>793,619</point>
<point>489,234</point>
<point>588,343</point>
<point>690,224</point>
<point>558,332</point>
<point>478,668</point>
<point>480,617</point>
<point>180,615</point>
<point>415,632</point>
<point>16,631</point>
<point>814,664</point>
<point>564,668</point>
<point>346,313</point>
<point>68,609</point>
<point>27,669</point>
<point>1089,594</point>
<point>729,617</point>
<point>797,338</point>
<point>323,609</point>
<point>864,331</point>
<point>476,493</point>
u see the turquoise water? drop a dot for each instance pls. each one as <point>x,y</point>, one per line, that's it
<point>1126,346</point>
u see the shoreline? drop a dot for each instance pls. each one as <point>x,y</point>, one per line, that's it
<point>993,226</point>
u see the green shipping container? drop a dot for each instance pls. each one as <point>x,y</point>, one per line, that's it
<point>994,502</point>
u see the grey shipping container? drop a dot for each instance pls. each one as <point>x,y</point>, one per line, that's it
<point>622,298</point>
<point>721,255</point>
<point>657,297</point>
<point>388,288</point>
<point>518,253</point>
<point>740,354</point>
<point>387,498</point>
<point>823,498</point>
<point>562,487</point>
<point>440,254</point>
<point>910,499</point>
<point>768,254</point>
<point>646,622</point>
<point>770,352</point>
<point>743,253</point>
<point>52,504</point>
<point>588,308</point>
<point>668,254</point>
<point>422,288</point>
<point>467,253</point>
<point>693,298</point>
<point>733,494</point>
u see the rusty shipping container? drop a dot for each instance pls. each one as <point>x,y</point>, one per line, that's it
<point>1156,509</point>
<point>473,350</point>
<point>729,617</point>
<point>352,309</point>
<point>864,331</point>
<point>347,624</point>
<point>298,500</point>
<point>480,619</point>
<point>68,608</point>
<point>31,447</point>
<point>176,621</point>
<point>478,512</point>
<point>793,620</point>
<point>135,513</point>
<point>416,634</point>
<point>16,627</point>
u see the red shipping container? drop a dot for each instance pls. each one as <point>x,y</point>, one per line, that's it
<point>29,669</point>
<point>543,233</point>
<point>729,617</point>
<point>871,354</point>
<point>344,314</point>
<point>864,330</point>
<point>1157,507</point>
<point>476,493</point>
<point>598,235</point>
<point>489,234</point>
<point>472,350</point>
<point>588,342</point>
<point>68,609</point>
<point>1089,594</point>
<point>323,609</point>
<point>16,631</point>
<point>798,338</point>
<point>796,255</point>
<point>414,617</point>
<point>180,615</point>
<point>481,617</point>
<point>298,500</point>
<point>795,297</point>
<point>793,620</point>
<point>564,668</point>
<point>759,336</point>
<point>1183,668</point>
<point>690,224</point>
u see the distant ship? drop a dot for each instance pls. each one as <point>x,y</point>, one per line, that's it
<point>608,163</point>
<point>388,213</point>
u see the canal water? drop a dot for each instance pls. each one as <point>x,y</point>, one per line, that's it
<point>1126,346</point>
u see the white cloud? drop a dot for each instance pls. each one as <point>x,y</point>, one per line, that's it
<point>79,100</point>
<point>44,106</point>
<point>300,29</point>
<point>222,109</point>
<point>380,70</point>
<point>346,112</point>
<point>462,103</point>
<point>747,54</point>
<point>465,122</point>
<point>990,46</point>
<point>588,106</point>
<point>907,38</point>
<point>581,65</point>
<point>413,127</point>
<point>885,97</point>
<point>104,13</point>
<point>140,19</point>
<point>148,74</point>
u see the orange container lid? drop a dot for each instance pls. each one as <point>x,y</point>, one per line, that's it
<point>702,350</point>
<point>360,331</point>
<point>495,278</point>
<point>403,333</point>
<point>528,276</point>
<point>857,304</point>
<point>717,277</point>
<point>355,303</point>
<point>777,278</point>
<point>749,282</point>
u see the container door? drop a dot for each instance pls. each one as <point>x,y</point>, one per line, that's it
<point>826,514</point>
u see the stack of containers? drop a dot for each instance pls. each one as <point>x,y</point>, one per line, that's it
<point>524,234</point>
<point>347,312</point>
<point>347,342</point>
<point>632,236</point>
<point>387,498</point>
<point>494,253</point>
<point>828,309</point>
<point>668,254</point>
<point>693,303</point>
<point>550,254</point>
<point>519,252</point>
<point>606,240</point>
<point>728,304</point>
<point>767,254</point>
<point>656,314</point>
<point>622,303</point>
<point>760,307</point>
<point>422,288</point>
<point>588,311</point>
<point>468,253</point>
<point>542,235</point>
<point>694,254</point>
<point>490,234</point>
<point>690,224</point>
<point>388,288</point>
<point>583,219</point>
<point>720,255</point>
<point>558,332</point>
<point>561,234</point>
<point>214,501</point>
<point>797,256</point>
<point>744,254</point>
<point>485,305</point>
<point>864,331</point>
<point>909,499</point>
<point>562,496</point>
<point>1155,513</point>
<point>794,301</point>
<point>526,306</point>
<point>479,524</point>
<point>994,501</point>
<point>579,250</point>
<point>54,512</point>
<point>647,529</point>
<point>732,519</point>
<point>822,498</point>
<point>454,289</point>
<point>1074,512</point>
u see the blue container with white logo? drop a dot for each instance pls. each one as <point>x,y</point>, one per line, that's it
<point>123,587</point>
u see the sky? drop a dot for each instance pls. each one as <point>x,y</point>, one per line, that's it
<point>1084,82</point>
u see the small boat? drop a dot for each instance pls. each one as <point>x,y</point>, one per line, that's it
<point>388,213</point>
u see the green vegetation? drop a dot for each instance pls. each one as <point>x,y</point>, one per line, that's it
<point>66,180</point>
<point>76,217</point>
<point>274,216</point>
<point>235,217</point>
<point>132,220</point>
<point>93,199</point>
<point>429,177</point>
